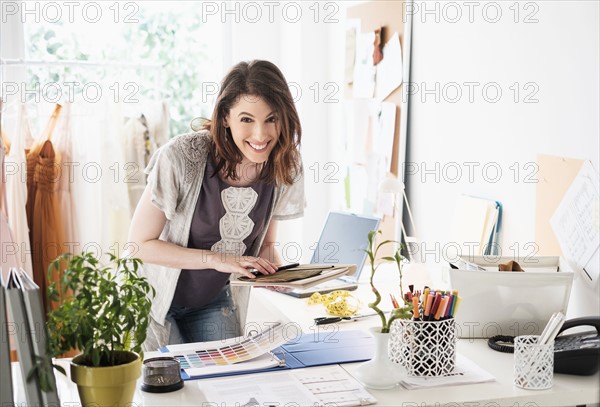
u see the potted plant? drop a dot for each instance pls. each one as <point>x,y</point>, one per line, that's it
<point>103,311</point>
<point>403,312</point>
<point>380,372</point>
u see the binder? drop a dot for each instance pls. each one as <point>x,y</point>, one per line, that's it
<point>478,220</point>
<point>36,321</point>
<point>313,349</point>
<point>6,395</point>
<point>24,341</point>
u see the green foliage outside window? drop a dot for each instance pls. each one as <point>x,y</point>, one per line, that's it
<point>171,35</point>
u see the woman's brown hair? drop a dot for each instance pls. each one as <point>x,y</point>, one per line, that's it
<point>265,80</point>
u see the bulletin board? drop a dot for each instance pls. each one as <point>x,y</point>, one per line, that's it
<point>389,16</point>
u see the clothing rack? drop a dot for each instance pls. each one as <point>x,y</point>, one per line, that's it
<point>73,62</point>
<point>63,62</point>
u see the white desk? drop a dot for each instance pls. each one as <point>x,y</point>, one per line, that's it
<point>567,390</point>
<point>268,306</point>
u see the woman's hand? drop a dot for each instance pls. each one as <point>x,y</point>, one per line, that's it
<point>226,263</point>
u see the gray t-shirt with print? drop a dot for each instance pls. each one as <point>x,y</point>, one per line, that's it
<point>228,220</point>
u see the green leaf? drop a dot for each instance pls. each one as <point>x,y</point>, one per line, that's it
<point>52,48</point>
<point>60,369</point>
<point>49,34</point>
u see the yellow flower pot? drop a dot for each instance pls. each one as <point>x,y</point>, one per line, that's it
<point>106,386</point>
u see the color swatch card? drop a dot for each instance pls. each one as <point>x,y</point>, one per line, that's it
<point>209,358</point>
<point>265,361</point>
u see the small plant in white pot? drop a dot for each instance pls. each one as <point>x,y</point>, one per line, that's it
<point>380,372</point>
<point>102,311</point>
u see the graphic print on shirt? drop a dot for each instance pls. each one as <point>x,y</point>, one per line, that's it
<point>235,225</point>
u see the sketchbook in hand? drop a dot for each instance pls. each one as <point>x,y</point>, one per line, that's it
<point>303,276</point>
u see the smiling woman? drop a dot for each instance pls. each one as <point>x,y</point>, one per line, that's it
<point>253,127</point>
<point>254,108</point>
<point>211,206</point>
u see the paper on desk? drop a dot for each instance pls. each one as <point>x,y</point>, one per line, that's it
<point>258,391</point>
<point>465,372</point>
<point>334,386</point>
<point>575,221</point>
<point>326,386</point>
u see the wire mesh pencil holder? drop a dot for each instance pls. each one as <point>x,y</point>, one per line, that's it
<point>424,348</point>
<point>534,363</point>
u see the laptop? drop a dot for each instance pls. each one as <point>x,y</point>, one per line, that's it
<point>343,240</point>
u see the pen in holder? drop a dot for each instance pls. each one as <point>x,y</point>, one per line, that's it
<point>534,362</point>
<point>425,348</point>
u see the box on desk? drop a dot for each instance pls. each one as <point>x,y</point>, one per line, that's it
<point>509,303</point>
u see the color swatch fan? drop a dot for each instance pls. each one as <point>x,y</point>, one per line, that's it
<point>232,355</point>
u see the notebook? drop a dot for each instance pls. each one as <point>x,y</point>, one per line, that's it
<point>343,240</point>
<point>478,220</point>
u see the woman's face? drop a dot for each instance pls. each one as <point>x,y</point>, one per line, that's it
<point>254,126</point>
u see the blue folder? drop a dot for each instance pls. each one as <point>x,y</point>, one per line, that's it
<point>314,349</point>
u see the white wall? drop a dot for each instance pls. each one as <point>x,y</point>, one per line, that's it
<point>557,57</point>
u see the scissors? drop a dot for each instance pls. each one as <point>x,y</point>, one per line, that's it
<point>333,320</point>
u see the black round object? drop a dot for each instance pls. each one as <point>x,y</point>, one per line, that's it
<point>149,388</point>
<point>502,343</point>
<point>161,375</point>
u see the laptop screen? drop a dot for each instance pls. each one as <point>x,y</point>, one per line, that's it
<point>344,240</point>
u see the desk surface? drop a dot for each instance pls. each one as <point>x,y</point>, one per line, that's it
<point>268,306</point>
<point>566,391</point>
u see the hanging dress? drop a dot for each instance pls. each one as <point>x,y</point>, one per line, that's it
<point>43,209</point>
<point>134,134</point>
<point>16,190</point>
<point>8,254</point>
<point>63,146</point>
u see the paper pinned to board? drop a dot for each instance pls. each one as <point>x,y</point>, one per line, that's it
<point>352,30</point>
<point>389,70</point>
<point>363,83</point>
<point>575,221</point>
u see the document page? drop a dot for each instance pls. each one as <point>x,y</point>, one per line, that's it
<point>261,390</point>
<point>575,222</point>
<point>465,372</point>
<point>323,386</point>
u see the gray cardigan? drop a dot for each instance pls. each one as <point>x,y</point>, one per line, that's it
<point>175,175</point>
